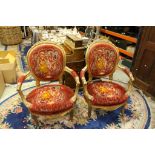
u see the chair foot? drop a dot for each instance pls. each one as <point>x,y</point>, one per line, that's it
<point>123,111</point>
<point>89,111</point>
<point>35,119</point>
<point>71,115</point>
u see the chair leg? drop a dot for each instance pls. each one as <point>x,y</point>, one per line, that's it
<point>111,77</point>
<point>71,114</point>
<point>35,119</point>
<point>89,110</point>
<point>123,109</point>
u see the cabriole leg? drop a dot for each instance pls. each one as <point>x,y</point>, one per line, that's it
<point>35,119</point>
<point>89,110</point>
<point>71,114</point>
<point>111,77</point>
<point>123,110</point>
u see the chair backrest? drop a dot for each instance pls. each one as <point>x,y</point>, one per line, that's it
<point>46,61</point>
<point>101,58</point>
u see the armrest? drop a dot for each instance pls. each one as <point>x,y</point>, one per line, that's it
<point>82,75</point>
<point>84,82</point>
<point>20,80</point>
<point>19,85</point>
<point>76,78</point>
<point>129,74</point>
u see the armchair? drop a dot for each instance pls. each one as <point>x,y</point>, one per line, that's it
<point>47,62</point>
<point>101,60</point>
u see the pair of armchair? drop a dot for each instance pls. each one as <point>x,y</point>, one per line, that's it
<point>47,62</point>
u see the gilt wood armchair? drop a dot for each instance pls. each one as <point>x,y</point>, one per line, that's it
<point>101,61</point>
<point>47,62</point>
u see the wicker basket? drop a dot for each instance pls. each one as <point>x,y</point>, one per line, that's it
<point>0,33</point>
<point>11,35</point>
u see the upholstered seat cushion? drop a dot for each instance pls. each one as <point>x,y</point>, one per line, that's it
<point>50,99</point>
<point>107,93</point>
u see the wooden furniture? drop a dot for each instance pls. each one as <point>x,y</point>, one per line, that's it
<point>75,54</point>
<point>77,66</point>
<point>73,41</point>
<point>47,62</point>
<point>121,36</point>
<point>101,60</point>
<point>143,66</point>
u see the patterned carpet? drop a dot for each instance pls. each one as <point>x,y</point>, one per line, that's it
<point>23,59</point>
<point>14,114</point>
<point>23,48</point>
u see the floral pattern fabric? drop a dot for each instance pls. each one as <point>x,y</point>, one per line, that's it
<point>107,93</point>
<point>102,59</point>
<point>50,99</point>
<point>46,62</point>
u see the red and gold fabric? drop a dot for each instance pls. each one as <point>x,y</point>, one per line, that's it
<point>101,59</point>
<point>50,99</point>
<point>46,61</point>
<point>107,93</point>
<point>21,79</point>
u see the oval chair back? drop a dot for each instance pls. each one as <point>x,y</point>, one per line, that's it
<point>101,58</point>
<point>46,61</point>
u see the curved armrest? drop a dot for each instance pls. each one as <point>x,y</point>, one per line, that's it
<point>20,80</point>
<point>82,75</point>
<point>76,78</point>
<point>84,82</point>
<point>129,74</point>
<point>19,85</point>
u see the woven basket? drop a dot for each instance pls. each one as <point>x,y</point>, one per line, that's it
<point>11,35</point>
<point>0,33</point>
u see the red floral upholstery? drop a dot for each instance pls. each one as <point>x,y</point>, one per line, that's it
<point>50,99</point>
<point>46,61</point>
<point>107,93</point>
<point>102,59</point>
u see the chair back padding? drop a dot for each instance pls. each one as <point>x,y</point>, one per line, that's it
<point>101,58</point>
<point>46,61</point>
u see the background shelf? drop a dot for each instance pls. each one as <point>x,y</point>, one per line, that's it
<point>115,34</point>
<point>130,54</point>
